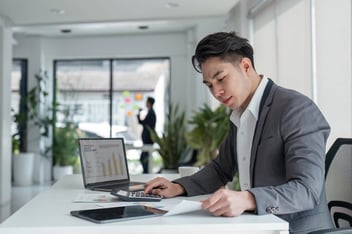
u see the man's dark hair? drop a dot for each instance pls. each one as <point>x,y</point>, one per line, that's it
<point>225,45</point>
<point>151,100</point>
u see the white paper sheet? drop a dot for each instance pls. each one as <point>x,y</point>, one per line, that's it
<point>183,207</point>
<point>95,198</point>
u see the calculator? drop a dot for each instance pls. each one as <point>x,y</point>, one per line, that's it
<point>136,196</point>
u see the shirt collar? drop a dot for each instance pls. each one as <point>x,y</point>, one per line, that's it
<point>253,105</point>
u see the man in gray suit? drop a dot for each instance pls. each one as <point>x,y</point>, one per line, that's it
<point>276,142</point>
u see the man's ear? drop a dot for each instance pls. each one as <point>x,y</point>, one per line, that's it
<point>246,64</point>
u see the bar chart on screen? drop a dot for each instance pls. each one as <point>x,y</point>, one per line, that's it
<point>112,166</point>
<point>104,161</point>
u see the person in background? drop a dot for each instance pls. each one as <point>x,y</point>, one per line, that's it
<point>276,142</point>
<point>149,120</point>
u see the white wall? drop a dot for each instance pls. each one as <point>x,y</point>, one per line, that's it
<point>265,44</point>
<point>282,44</point>
<point>5,110</point>
<point>284,51</point>
<point>237,19</point>
<point>334,60</point>
<point>202,93</point>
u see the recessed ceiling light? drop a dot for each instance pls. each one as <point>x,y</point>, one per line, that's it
<point>66,30</point>
<point>143,27</point>
<point>57,11</point>
<point>171,5</point>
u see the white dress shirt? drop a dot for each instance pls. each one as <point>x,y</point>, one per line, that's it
<point>245,122</point>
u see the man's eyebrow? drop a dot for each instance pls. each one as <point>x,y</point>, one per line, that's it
<point>214,76</point>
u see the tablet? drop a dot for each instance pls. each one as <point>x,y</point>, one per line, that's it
<point>116,214</point>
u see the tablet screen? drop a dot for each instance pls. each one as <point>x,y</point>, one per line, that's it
<point>115,214</point>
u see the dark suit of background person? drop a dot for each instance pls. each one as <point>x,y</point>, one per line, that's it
<point>286,154</point>
<point>149,120</point>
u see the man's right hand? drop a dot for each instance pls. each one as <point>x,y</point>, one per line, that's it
<point>163,187</point>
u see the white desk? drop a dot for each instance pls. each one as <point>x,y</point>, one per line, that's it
<point>49,212</point>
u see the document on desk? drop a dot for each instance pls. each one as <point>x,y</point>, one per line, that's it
<point>183,207</point>
<point>95,198</point>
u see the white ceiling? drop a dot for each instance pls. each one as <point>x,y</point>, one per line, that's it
<point>84,17</point>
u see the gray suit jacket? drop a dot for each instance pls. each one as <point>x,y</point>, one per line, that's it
<point>287,161</point>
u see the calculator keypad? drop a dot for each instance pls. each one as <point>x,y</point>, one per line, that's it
<point>136,196</point>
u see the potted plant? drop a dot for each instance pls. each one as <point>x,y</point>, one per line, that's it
<point>23,164</point>
<point>65,151</point>
<point>172,142</point>
<point>65,147</point>
<point>30,116</point>
<point>210,129</point>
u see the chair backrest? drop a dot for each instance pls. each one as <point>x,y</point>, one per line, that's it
<point>338,175</point>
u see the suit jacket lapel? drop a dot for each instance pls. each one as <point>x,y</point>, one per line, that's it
<point>264,108</point>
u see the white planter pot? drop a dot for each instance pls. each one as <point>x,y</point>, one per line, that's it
<point>60,171</point>
<point>42,173</point>
<point>169,171</point>
<point>23,165</point>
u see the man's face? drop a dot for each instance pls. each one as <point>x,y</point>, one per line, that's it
<point>148,104</point>
<point>227,82</point>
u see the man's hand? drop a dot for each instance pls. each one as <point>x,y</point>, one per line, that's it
<point>225,202</point>
<point>163,187</point>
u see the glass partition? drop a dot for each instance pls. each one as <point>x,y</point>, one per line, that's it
<point>102,97</point>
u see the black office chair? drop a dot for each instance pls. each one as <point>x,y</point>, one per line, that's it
<point>338,176</point>
<point>339,216</point>
<point>338,179</point>
<point>333,231</point>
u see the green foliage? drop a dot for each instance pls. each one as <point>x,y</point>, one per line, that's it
<point>15,145</point>
<point>31,115</point>
<point>172,143</point>
<point>65,145</point>
<point>210,129</point>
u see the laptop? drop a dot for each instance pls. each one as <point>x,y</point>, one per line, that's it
<point>104,165</point>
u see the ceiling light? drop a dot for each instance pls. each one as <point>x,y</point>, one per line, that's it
<point>143,27</point>
<point>171,5</point>
<point>66,30</point>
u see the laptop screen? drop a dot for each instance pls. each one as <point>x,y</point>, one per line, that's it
<point>103,159</point>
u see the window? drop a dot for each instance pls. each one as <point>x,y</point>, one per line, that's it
<point>83,90</point>
<point>133,81</point>
<point>103,96</point>
<point>18,91</point>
